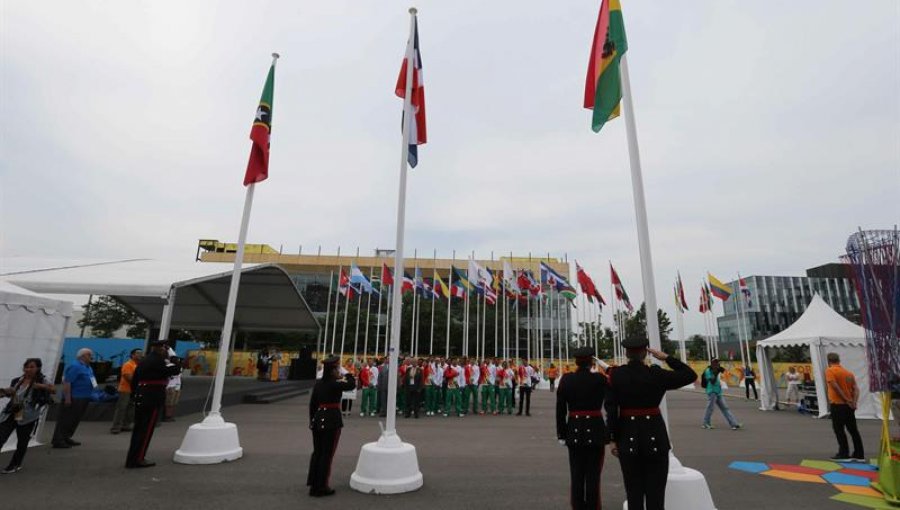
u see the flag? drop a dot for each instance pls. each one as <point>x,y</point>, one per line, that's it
<point>489,287</point>
<point>409,285</point>
<point>621,295</point>
<point>703,302</point>
<point>441,288</point>
<point>345,287</point>
<point>479,277</point>
<point>458,283</point>
<point>417,134</point>
<point>387,276</point>
<point>603,88</point>
<point>587,285</point>
<point>680,290</point>
<point>359,280</point>
<point>552,278</point>
<point>677,299</point>
<point>719,289</point>
<point>260,133</point>
<point>568,293</point>
<point>422,286</point>
<point>745,290</point>
<point>524,282</point>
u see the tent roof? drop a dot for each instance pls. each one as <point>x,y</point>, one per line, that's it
<point>268,300</point>
<point>13,296</point>
<point>818,324</point>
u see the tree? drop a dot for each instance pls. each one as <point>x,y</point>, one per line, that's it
<point>636,325</point>
<point>696,346</point>
<point>105,316</point>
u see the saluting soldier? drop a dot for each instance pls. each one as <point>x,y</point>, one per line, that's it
<point>636,426</point>
<point>149,394</point>
<point>579,425</point>
<point>325,422</point>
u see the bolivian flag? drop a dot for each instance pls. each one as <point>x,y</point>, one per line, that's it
<point>603,89</point>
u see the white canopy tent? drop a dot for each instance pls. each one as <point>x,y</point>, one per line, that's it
<point>268,300</point>
<point>822,330</point>
<point>31,326</point>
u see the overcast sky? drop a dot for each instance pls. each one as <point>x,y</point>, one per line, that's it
<point>769,131</point>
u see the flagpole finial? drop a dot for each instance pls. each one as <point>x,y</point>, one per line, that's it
<point>275,56</point>
<point>413,11</point>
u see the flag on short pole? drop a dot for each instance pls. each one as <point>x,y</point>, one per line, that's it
<point>441,288</point>
<point>345,286</point>
<point>260,133</point>
<point>588,286</point>
<point>387,276</point>
<point>457,283</point>
<point>718,288</point>
<point>603,88</point>
<point>552,278</point>
<point>409,285</point>
<point>358,279</point>
<point>745,290</point>
<point>417,132</point>
<point>680,294</point>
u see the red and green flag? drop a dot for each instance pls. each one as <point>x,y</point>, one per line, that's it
<point>603,88</point>
<point>258,167</point>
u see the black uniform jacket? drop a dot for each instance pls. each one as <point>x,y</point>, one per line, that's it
<point>581,391</point>
<point>635,387</point>
<point>325,403</point>
<point>152,370</point>
<point>416,383</point>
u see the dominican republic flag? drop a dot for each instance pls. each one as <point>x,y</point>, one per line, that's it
<point>387,276</point>
<point>745,290</point>
<point>621,295</point>
<point>345,287</point>
<point>258,166</point>
<point>409,285</point>
<point>417,134</point>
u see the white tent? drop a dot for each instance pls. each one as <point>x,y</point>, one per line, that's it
<point>822,330</point>
<point>31,326</point>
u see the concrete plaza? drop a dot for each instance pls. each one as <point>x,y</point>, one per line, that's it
<point>496,462</point>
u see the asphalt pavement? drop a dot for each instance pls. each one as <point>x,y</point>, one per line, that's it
<point>496,462</point>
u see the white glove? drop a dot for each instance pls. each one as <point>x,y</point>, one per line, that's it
<point>562,442</point>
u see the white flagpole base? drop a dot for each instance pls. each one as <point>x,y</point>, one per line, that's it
<point>543,385</point>
<point>689,387</point>
<point>387,466</point>
<point>211,441</point>
<point>686,489</point>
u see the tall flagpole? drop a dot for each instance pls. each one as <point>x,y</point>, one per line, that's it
<point>679,324</point>
<point>449,302</point>
<point>320,351</point>
<point>356,334</point>
<point>390,466</point>
<point>378,315</point>
<point>368,311</point>
<point>388,318</point>
<point>433,302</point>
<point>337,308</point>
<point>344,327</point>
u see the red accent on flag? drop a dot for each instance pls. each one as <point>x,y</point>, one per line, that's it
<point>587,285</point>
<point>344,286</point>
<point>418,90</point>
<point>593,72</point>
<point>387,277</point>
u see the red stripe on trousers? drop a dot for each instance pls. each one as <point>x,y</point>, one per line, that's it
<point>149,431</point>
<point>337,438</point>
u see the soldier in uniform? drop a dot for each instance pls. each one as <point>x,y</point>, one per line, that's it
<point>636,427</point>
<point>325,422</point>
<point>149,394</point>
<point>579,425</point>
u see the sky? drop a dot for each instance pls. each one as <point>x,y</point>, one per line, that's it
<point>768,131</point>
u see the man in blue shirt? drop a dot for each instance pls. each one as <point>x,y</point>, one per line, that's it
<point>710,381</point>
<point>78,384</point>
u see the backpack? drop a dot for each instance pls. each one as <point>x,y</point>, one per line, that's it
<point>704,382</point>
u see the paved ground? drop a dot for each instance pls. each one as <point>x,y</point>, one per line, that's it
<point>505,462</point>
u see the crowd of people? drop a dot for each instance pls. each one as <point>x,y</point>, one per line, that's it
<point>436,386</point>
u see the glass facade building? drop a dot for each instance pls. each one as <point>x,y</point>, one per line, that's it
<point>777,301</point>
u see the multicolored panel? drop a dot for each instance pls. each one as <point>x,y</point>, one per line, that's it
<point>798,469</point>
<point>749,467</point>
<point>836,478</point>
<point>794,477</point>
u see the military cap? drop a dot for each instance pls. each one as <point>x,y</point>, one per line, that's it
<point>635,342</point>
<point>584,353</point>
<point>331,361</point>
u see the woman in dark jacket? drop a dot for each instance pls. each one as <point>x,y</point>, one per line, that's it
<point>325,422</point>
<point>28,395</point>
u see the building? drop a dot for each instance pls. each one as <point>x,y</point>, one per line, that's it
<point>777,301</point>
<point>316,274</point>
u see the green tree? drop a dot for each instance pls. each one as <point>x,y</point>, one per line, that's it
<point>636,325</point>
<point>696,346</point>
<point>104,316</point>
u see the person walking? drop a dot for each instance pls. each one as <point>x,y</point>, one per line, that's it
<point>580,427</point>
<point>750,381</point>
<point>636,426</point>
<point>28,394</point>
<point>552,374</point>
<point>710,381</point>
<point>123,416</point>
<point>326,423</point>
<point>843,395</point>
<point>151,377</point>
<point>78,384</point>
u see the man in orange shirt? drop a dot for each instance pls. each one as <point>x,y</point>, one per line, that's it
<point>124,413</point>
<point>842,397</point>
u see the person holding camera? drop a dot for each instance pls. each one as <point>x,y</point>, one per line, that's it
<point>710,381</point>
<point>28,394</point>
